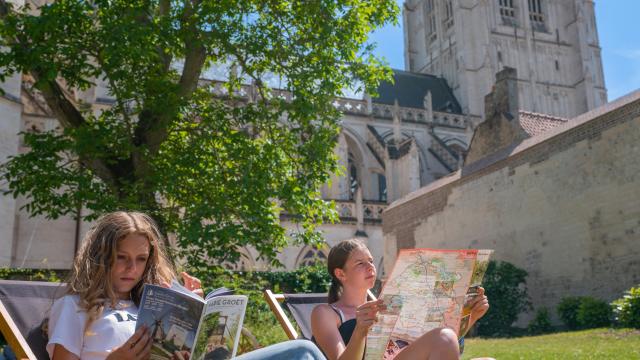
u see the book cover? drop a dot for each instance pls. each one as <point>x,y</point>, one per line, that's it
<point>183,325</point>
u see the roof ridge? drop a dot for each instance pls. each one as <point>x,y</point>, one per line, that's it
<point>415,73</point>
<point>546,116</point>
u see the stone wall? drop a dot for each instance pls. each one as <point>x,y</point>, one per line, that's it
<point>9,127</point>
<point>564,205</point>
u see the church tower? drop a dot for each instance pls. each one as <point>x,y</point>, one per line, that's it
<point>553,45</point>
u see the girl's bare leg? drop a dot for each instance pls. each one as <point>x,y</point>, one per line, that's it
<point>437,344</point>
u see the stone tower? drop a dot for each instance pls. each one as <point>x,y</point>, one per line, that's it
<point>553,45</point>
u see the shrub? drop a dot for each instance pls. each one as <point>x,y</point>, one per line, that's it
<point>505,287</point>
<point>593,313</point>
<point>568,311</point>
<point>259,319</point>
<point>33,274</point>
<point>626,310</point>
<point>541,323</point>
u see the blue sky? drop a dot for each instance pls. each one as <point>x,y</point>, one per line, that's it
<point>618,30</point>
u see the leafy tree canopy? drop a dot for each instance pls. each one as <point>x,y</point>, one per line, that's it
<point>216,171</point>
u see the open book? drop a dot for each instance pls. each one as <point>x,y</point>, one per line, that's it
<point>426,289</point>
<point>183,325</point>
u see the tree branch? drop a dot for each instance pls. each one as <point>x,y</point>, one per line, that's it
<point>193,63</point>
<point>152,127</point>
<point>63,109</point>
<point>195,54</point>
<point>164,10</point>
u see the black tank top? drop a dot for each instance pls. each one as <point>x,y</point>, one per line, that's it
<point>345,329</point>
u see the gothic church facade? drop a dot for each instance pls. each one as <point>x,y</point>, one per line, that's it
<point>415,132</point>
<point>553,45</point>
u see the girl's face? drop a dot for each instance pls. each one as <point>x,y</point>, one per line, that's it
<point>359,270</point>
<point>132,254</point>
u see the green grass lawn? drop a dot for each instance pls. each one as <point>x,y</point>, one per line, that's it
<point>588,344</point>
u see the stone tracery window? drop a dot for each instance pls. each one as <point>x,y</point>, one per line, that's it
<point>311,255</point>
<point>244,263</point>
<point>382,188</point>
<point>353,177</point>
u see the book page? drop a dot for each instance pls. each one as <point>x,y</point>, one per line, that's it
<point>219,333</point>
<point>425,290</point>
<point>172,318</point>
<point>175,285</point>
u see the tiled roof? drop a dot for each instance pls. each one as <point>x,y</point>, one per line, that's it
<point>535,124</point>
<point>410,89</point>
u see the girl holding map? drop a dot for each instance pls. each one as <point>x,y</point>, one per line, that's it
<point>340,327</point>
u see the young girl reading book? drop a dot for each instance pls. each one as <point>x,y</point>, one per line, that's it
<point>340,327</point>
<point>97,318</point>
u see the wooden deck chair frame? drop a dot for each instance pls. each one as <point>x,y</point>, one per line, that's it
<point>275,300</point>
<point>12,335</point>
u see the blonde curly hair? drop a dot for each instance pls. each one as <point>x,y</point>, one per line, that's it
<point>90,277</point>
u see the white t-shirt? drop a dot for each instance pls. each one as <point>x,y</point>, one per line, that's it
<point>109,331</point>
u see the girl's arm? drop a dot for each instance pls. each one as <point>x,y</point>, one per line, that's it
<point>60,353</point>
<point>66,329</point>
<point>324,326</point>
<point>137,347</point>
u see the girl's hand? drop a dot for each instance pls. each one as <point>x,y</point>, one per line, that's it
<point>479,306</point>
<point>137,347</point>
<point>193,283</point>
<point>181,355</point>
<point>367,315</point>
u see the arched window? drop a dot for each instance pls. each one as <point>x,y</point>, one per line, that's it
<point>311,255</point>
<point>244,263</point>
<point>382,188</point>
<point>353,177</point>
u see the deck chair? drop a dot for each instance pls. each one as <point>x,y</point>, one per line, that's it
<point>24,306</point>
<point>300,306</point>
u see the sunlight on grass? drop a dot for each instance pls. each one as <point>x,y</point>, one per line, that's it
<point>588,344</point>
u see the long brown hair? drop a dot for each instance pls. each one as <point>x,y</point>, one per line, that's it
<point>90,277</point>
<point>338,257</point>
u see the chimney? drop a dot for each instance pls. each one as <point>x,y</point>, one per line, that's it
<point>504,95</point>
<point>501,127</point>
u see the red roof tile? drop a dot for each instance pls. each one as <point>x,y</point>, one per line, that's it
<point>535,124</point>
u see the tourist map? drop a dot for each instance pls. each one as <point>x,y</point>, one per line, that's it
<point>425,290</point>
